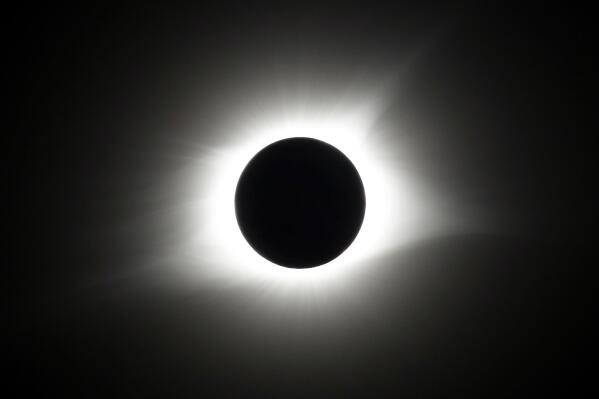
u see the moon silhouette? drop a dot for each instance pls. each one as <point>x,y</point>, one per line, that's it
<point>300,202</point>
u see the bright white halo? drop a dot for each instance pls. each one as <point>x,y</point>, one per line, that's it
<point>396,210</point>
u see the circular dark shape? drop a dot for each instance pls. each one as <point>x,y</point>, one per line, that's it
<point>300,202</point>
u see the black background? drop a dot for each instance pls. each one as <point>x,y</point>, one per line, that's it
<point>500,99</point>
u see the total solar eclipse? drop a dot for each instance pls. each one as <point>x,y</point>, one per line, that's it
<point>300,202</point>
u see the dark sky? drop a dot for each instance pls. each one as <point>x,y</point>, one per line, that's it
<point>492,100</point>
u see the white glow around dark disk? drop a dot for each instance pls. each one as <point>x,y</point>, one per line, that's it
<point>397,211</point>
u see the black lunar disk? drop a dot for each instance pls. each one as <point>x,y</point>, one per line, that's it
<point>300,202</point>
